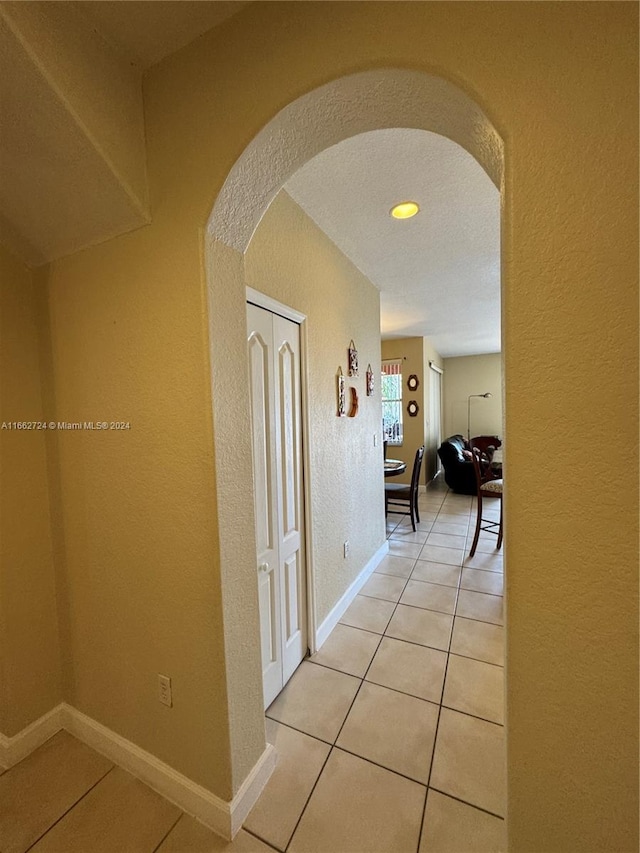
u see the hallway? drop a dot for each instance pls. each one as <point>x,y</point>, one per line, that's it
<point>389,739</point>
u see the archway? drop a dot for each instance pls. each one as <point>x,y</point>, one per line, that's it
<point>366,101</point>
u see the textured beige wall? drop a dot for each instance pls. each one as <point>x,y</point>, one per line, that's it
<point>473,374</point>
<point>411,351</point>
<point>29,646</point>
<point>136,504</point>
<point>129,342</point>
<point>291,260</point>
<point>578,87</point>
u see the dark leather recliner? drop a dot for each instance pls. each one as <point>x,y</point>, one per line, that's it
<point>459,473</point>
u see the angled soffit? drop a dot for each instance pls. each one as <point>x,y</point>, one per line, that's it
<point>72,146</point>
<point>72,156</point>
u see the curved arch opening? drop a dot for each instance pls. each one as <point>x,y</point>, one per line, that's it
<point>370,100</point>
<point>345,107</point>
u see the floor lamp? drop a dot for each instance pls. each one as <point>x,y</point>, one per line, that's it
<point>488,394</point>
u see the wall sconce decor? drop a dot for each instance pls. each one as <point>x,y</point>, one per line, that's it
<point>353,359</point>
<point>413,382</point>
<point>353,411</point>
<point>369,381</point>
<point>412,408</point>
<point>342,401</point>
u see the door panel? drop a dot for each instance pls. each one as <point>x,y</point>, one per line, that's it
<point>261,428</point>
<point>268,604</point>
<point>291,624</point>
<point>274,370</point>
<point>289,449</point>
<point>270,634</point>
<point>293,602</point>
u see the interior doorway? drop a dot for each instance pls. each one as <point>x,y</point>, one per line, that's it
<point>318,119</point>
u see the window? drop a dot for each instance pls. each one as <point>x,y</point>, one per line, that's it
<point>391,386</point>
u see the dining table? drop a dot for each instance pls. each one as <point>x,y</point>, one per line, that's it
<point>394,467</point>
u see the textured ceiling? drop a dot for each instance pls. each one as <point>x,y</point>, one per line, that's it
<point>438,273</point>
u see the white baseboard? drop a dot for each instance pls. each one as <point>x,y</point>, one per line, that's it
<point>341,605</point>
<point>14,749</point>
<point>223,817</point>
<point>251,788</point>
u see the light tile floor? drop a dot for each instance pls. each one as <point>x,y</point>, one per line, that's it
<point>406,695</point>
<point>390,739</point>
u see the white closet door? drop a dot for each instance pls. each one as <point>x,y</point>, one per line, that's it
<point>263,423</point>
<point>274,369</point>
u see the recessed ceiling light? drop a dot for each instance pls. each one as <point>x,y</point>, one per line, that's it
<point>404,210</point>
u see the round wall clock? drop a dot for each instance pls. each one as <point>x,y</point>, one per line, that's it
<point>413,382</point>
<point>412,408</point>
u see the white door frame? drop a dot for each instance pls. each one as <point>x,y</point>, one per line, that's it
<point>270,304</point>
<point>439,374</point>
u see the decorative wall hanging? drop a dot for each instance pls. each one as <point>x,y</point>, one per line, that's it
<point>413,382</point>
<point>369,381</point>
<point>353,411</point>
<point>353,359</point>
<point>412,408</point>
<point>342,401</point>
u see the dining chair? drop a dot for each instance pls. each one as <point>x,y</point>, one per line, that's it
<point>487,487</point>
<point>402,495</point>
<point>485,442</point>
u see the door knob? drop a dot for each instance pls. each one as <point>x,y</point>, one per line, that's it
<point>263,567</point>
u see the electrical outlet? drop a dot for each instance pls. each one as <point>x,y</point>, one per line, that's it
<point>346,549</point>
<point>164,690</point>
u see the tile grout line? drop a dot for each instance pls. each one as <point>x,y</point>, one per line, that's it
<point>467,589</point>
<point>404,603</point>
<point>307,801</point>
<point>474,716</point>
<point>168,833</point>
<point>457,588</point>
<point>333,745</point>
<point>260,838</point>
<point>382,766</point>
<point>411,643</point>
<point>435,734</point>
<point>300,731</point>
<point>362,679</point>
<point>70,809</point>
<point>467,803</point>
<point>449,653</point>
<point>367,671</point>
